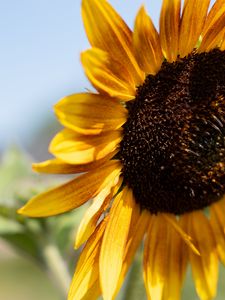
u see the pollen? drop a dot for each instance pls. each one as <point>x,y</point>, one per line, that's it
<point>173,147</point>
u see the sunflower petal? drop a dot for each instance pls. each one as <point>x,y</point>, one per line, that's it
<point>57,166</point>
<point>204,267</point>
<point>177,259</point>
<point>73,193</point>
<point>186,238</point>
<point>222,46</point>
<point>155,258</point>
<point>90,113</point>
<point>138,227</point>
<point>107,31</point>
<point>75,148</point>
<point>114,242</point>
<point>85,283</point>
<point>165,260</point>
<point>146,43</point>
<point>213,31</point>
<point>105,74</point>
<point>192,23</point>
<point>169,29</point>
<point>91,217</point>
<point>217,222</point>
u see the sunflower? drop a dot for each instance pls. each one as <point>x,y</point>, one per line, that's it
<point>150,144</point>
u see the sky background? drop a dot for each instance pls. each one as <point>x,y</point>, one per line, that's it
<point>40,50</point>
<point>41,41</point>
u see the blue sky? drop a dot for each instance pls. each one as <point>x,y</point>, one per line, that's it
<point>41,41</point>
<point>39,59</point>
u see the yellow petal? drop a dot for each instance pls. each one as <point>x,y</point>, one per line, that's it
<point>177,259</point>
<point>73,193</point>
<point>90,114</point>
<point>108,76</point>
<point>75,148</point>
<point>155,252</point>
<point>57,166</point>
<point>138,227</point>
<point>114,242</point>
<point>146,43</point>
<point>192,23</point>
<point>186,238</point>
<point>214,11</point>
<point>169,29</point>
<point>85,283</point>
<point>165,260</point>
<point>106,30</point>
<point>217,221</point>
<point>213,31</point>
<point>204,267</point>
<point>99,205</point>
<point>222,46</point>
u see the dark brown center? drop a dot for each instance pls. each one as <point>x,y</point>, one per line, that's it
<point>173,149</point>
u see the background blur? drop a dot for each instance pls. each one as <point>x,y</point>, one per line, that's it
<point>40,47</point>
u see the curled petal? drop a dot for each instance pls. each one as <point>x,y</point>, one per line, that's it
<point>57,166</point>
<point>75,148</point>
<point>107,75</point>
<point>90,114</point>
<point>93,213</point>
<point>107,31</point>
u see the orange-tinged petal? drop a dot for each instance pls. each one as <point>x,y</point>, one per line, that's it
<point>99,205</point>
<point>217,221</point>
<point>57,166</point>
<point>155,251</point>
<point>213,13</point>
<point>222,46</point>
<point>146,43</point>
<point>186,238</point>
<point>192,23</point>
<point>204,267</point>
<point>213,31</point>
<point>169,29</point>
<point>114,243</point>
<point>90,113</point>
<point>165,260</point>
<point>138,227</point>
<point>177,258</point>
<point>106,30</point>
<point>75,148</point>
<point>73,193</point>
<point>85,283</point>
<point>108,76</point>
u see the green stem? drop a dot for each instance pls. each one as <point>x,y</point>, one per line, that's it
<point>57,267</point>
<point>134,288</point>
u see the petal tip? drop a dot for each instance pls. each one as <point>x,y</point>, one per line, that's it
<point>20,211</point>
<point>23,211</point>
<point>35,167</point>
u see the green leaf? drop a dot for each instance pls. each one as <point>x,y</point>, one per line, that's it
<point>8,226</point>
<point>24,243</point>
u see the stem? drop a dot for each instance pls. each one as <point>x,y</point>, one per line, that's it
<point>57,267</point>
<point>134,288</point>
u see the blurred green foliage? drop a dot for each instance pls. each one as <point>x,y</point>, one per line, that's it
<point>30,239</point>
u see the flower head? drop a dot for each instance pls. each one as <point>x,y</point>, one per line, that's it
<point>150,143</point>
